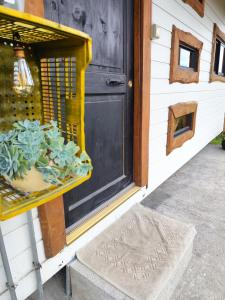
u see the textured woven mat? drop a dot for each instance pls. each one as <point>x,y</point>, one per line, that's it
<point>138,252</point>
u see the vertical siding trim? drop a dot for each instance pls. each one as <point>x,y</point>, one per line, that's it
<point>34,7</point>
<point>142,61</point>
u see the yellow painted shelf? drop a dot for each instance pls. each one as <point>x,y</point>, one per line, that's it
<point>58,57</point>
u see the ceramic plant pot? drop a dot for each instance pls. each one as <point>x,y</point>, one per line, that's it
<point>32,182</point>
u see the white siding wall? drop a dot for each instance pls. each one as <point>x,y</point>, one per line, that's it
<point>211,99</point>
<point>210,96</point>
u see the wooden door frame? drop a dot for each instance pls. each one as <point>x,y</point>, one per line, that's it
<point>142,63</point>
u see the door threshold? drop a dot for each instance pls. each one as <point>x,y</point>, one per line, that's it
<point>100,213</point>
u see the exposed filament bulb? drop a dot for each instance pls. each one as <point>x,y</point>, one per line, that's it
<point>23,83</point>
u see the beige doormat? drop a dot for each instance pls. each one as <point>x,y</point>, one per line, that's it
<point>136,253</point>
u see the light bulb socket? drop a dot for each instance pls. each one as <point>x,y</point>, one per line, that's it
<point>19,52</point>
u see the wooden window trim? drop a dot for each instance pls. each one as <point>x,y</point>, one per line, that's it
<point>197,6</point>
<point>176,111</point>
<point>51,215</point>
<point>177,73</point>
<point>217,33</point>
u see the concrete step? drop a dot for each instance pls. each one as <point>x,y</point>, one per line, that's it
<point>142,256</point>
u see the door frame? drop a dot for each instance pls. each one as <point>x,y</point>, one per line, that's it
<point>142,64</point>
<point>142,71</point>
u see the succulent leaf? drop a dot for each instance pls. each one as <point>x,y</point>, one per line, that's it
<point>31,144</point>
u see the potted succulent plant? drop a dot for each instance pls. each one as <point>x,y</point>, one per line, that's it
<point>33,156</point>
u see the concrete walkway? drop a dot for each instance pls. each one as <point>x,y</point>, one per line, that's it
<point>196,194</point>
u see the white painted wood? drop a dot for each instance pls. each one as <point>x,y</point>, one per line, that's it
<point>5,296</point>
<point>12,224</point>
<point>21,265</point>
<point>210,116</point>
<point>21,236</point>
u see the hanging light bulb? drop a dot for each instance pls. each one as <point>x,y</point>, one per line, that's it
<point>23,83</point>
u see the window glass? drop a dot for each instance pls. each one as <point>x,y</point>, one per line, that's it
<point>187,57</point>
<point>219,65</point>
<point>183,124</point>
<point>184,58</point>
<point>221,60</point>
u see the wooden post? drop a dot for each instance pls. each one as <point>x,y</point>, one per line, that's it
<point>34,7</point>
<point>51,214</point>
<point>52,221</point>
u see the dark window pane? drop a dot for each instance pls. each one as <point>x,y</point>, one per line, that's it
<point>221,59</point>
<point>217,56</point>
<point>184,124</point>
<point>188,57</point>
<point>219,64</point>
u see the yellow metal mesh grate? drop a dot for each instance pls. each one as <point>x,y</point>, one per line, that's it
<point>58,78</point>
<point>28,33</point>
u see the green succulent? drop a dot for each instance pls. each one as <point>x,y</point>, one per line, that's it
<point>31,144</point>
<point>5,160</point>
<point>12,162</point>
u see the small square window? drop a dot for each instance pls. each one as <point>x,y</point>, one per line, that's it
<point>181,124</point>
<point>197,5</point>
<point>218,56</point>
<point>185,57</point>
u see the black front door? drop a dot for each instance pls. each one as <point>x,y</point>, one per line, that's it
<point>109,98</point>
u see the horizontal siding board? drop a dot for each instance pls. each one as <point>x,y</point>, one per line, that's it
<point>160,101</point>
<point>161,54</point>
<point>162,86</point>
<point>21,236</point>
<point>215,12</point>
<point>206,21</point>
<point>168,13</point>
<point>5,296</point>
<point>161,71</point>
<point>14,223</point>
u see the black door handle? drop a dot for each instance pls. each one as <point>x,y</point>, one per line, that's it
<point>111,82</point>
